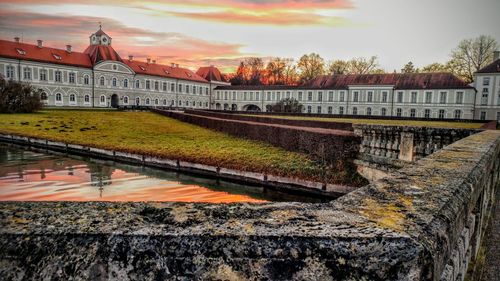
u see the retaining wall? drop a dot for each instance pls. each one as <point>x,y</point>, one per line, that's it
<point>333,147</point>
<point>424,222</point>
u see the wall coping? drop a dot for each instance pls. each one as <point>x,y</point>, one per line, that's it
<point>402,227</point>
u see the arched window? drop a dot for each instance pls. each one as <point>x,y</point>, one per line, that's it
<point>101,81</point>
<point>147,101</point>
<point>399,112</point>
<point>354,111</point>
<point>164,102</point>
<point>87,98</point>
<point>458,114</point>
<point>86,80</point>
<point>383,112</point>
<point>341,110</point>
<point>137,101</point>
<point>43,96</point>
<point>103,99</point>
<point>125,83</point>
<point>125,100</point>
<point>58,97</point>
<point>369,111</point>
<point>72,98</point>
<point>114,82</point>
<point>156,102</point>
<point>137,84</point>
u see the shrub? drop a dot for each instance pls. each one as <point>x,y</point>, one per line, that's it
<point>286,105</point>
<point>18,97</point>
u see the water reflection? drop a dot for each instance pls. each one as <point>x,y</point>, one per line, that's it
<point>32,175</point>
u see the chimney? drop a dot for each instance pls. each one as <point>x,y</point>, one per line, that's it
<point>16,39</point>
<point>172,65</point>
<point>68,48</point>
<point>154,61</point>
<point>130,58</point>
<point>177,65</point>
<point>39,43</point>
<point>148,60</point>
<point>496,55</point>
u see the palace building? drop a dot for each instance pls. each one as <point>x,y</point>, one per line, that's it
<point>99,77</point>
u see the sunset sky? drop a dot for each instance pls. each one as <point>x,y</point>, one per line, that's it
<point>221,32</point>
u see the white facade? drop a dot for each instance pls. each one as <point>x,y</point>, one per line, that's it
<point>487,84</point>
<point>380,100</point>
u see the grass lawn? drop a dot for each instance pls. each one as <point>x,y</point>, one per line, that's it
<point>437,124</point>
<point>152,134</point>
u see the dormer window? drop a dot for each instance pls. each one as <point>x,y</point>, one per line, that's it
<point>189,74</point>
<point>21,51</point>
<point>166,72</point>
<point>56,56</point>
<point>142,68</point>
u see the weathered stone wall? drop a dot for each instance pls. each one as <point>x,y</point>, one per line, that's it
<point>333,147</point>
<point>281,121</point>
<point>386,147</point>
<point>423,222</point>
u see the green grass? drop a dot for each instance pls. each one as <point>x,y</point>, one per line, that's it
<point>152,134</point>
<point>436,124</point>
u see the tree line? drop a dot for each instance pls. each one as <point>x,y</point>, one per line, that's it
<point>468,57</point>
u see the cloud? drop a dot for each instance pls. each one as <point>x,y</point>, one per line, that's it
<point>165,47</point>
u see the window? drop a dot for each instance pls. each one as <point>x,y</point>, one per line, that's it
<point>43,96</point>
<point>157,86</point>
<point>442,97</point>
<point>164,86</point>
<point>400,97</point>
<point>86,99</point>
<point>114,83</point>
<point>330,96</point>
<point>251,95</point>
<point>10,72</point>
<point>187,89</point>
<point>27,73</point>
<point>180,88</point>
<point>194,89</point>
<point>257,96</point>
<point>164,102</point>
<point>148,85</point>
<point>103,99</point>
<point>125,83</point>
<point>58,76</point>
<point>355,97</point>
<point>414,97</point>
<point>441,114</point>
<point>310,96</point>
<point>137,101</point>
<point>459,98</point>
<point>341,98</point>
<point>244,95</point>
<point>125,100</point>
<point>287,95</point>
<point>72,98</point>
<point>384,96</point>
<point>413,112</point>
<point>72,78</point>
<point>370,96</point>
<point>399,112</point>
<point>43,75</point>
<point>383,112</point>
<point>147,101</point>
<point>319,109</point>
<point>101,81</point>
<point>354,111</point>
<point>137,84</point>
<point>483,115</point>
<point>157,102</point>
<point>278,95</point>
<point>486,81</point>
<point>309,109</point>
<point>341,110</point>
<point>234,95</point>
<point>300,96</point>
<point>86,80</point>
<point>457,114</point>
<point>172,87</point>
<point>225,95</point>
<point>369,111</point>
<point>330,110</point>
<point>268,96</point>
<point>320,96</point>
<point>427,113</point>
<point>58,97</point>
<point>428,97</point>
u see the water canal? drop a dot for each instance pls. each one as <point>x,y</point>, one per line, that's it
<point>38,175</point>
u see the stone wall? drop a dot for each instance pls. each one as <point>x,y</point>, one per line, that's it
<point>388,147</point>
<point>332,147</point>
<point>423,222</point>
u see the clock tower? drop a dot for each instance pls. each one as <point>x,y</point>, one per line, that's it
<point>100,38</point>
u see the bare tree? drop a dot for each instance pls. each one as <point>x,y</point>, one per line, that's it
<point>409,68</point>
<point>363,65</point>
<point>310,66</point>
<point>471,55</point>
<point>339,67</point>
<point>435,67</point>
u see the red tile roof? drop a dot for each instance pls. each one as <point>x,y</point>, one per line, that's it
<point>493,67</point>
<point>399,80</point>
<point>211,73</point>
<point>164,71</point>
<point>100,53</point>
<point>30,52</point>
